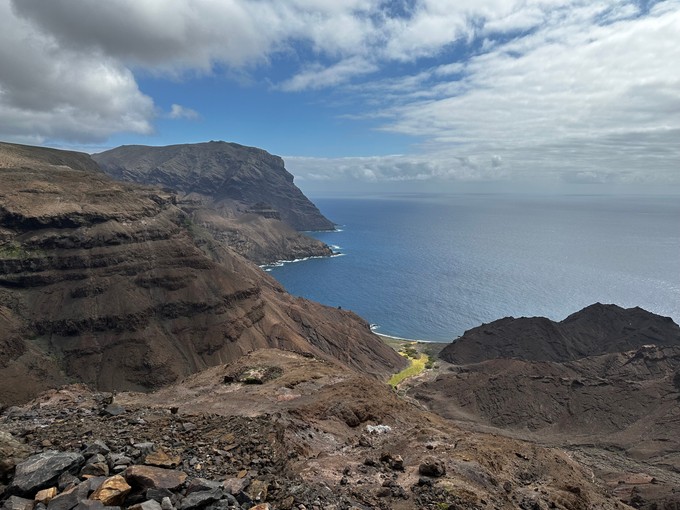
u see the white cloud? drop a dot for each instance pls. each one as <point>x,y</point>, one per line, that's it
<point>50,92</point>
<point>569,89</point>
<point>317,76</point>
<point>182,112</point>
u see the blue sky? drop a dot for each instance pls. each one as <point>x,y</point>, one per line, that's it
<point>402,95</point>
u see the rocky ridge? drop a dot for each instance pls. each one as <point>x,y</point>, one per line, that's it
<point>597,329</point>
<point>112,284</point>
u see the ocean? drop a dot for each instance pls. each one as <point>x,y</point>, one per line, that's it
<point>430,267</point>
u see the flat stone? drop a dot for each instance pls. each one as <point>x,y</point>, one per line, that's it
<point>114,410</point>
<point>95,469</point>
<point>97,447</point>
<point>44,496</point>
<point>112,491</point>
<point>17,503</point>
<point>146,505</point>
<point>160,458</point>
<point>201,498</point>
<point>69,498</point>
<point>149,477</point>
<point>42,471</point>
<point>235,485</point>
<point>158,494</point>
<point>92,504</point>
<point>201,484</point>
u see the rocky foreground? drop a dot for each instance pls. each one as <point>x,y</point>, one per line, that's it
<point>272,430</point>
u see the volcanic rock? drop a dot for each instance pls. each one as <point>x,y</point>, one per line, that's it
<point>42,471</point>
<point>160,458</point>
<point>11,453</point>
<point>69,498</point>
<point>17,503</point>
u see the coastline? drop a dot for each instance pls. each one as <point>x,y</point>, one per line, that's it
<point>280,263</point>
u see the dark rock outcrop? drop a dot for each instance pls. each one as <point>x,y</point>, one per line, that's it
<point>107,283</point>
<point>597,329</point>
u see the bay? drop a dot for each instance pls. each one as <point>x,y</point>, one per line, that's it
<point>432,266</point>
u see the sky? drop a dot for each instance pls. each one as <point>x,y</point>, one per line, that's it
<point>405,95</point>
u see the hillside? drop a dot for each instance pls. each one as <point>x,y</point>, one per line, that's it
<point>114,285</point>
<point>597,329</point>
<point>603,383</point>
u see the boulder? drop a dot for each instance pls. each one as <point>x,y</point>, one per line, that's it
<point>69,499</point>
<point>432,467</point>
<point>42,471</point>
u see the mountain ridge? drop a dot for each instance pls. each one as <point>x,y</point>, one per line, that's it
<point>219,170</point>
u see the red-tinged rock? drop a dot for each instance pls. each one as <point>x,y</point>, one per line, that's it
<point>112,492</point>
<point>160,458</point>
<point>149,477</point>
<point>46,495</point>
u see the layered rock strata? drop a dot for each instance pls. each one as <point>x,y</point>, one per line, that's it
<point>111,284</point>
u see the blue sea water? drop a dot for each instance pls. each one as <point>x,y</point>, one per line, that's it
<point>432,266</point>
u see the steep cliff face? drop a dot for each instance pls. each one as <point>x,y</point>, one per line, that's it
<point>231,175</point>
<point>114,285</point>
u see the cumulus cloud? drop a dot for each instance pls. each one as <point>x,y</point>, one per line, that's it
<point>50,92</point>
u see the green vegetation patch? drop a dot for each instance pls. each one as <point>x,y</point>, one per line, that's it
<point>416,367</point>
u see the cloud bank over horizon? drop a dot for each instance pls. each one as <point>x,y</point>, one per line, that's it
<point>568,91</point>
